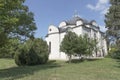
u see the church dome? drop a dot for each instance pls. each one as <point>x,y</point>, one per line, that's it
<point>62,24</point>
<point>75,19</point>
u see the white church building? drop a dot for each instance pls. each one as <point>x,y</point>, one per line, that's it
<point>80,27</point>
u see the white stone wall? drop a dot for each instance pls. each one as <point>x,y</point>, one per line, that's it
<point>53,38</point>
<point>79,23</point>
<point>78,30</point>
<point>63,56</point>
<point>52,29</point>
<point>105,47</point>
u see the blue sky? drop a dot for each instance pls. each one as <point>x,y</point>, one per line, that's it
<point>52,12</point>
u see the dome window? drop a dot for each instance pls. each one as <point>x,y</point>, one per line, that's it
<point>50,29</point>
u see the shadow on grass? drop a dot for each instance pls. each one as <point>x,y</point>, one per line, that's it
<point>94,59</point>
<point>20,72</point>
<point>82,60</point>
<point>77,61</point>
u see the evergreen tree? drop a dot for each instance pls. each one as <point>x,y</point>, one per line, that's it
<point>15,20</point>
<point>113,20</point>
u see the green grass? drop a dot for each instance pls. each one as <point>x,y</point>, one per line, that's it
<point>103,69</point>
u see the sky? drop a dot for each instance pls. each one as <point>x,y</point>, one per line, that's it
<point>52,12</point>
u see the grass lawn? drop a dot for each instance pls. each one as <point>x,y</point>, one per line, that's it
<point>103,69</point>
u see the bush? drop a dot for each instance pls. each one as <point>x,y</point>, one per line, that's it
<point>114,53</point>
<point>20,57</point>
<point>32,53</point>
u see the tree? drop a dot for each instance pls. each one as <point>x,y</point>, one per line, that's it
<point>15,20</point>
<point>85,45</point>
<point>91,46</point>
<point>32,52</point>
<point>68,44</point>
<point>112,20</point>
<point>10,48</point>
<point>81,45</point>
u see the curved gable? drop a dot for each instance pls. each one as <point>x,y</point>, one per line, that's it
<point>52,29</point>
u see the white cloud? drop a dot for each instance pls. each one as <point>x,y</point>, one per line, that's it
<point>104,11</point>
<point>101,5</point>
<point>102,28</point>
<point>90,6</point>
<point>103,1</point>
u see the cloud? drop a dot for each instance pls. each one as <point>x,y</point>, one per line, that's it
<point>104,11</point>
<point>90,6</point>
<point>101,5</point>
<point>102,28</point>
<point>103,1</point>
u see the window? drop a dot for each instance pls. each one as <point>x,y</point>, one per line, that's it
<point>50,29</point>
<point>49,47</point>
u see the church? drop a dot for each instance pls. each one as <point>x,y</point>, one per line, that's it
<point>80,27</point>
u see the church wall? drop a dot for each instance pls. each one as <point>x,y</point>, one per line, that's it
<point>105,47</point>
<point>52,29</point>
<point>78,30</point>
<point>54,48</point>
<point>92,34</point>
<point>99,46</point>
<point>86,31</point>
<point>63,56</point>
<point>102,44</point>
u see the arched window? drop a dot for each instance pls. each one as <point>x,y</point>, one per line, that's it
<point>49,47</point>
<point>50,29</point>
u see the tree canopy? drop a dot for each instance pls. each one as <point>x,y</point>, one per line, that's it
<point>68,44</point>
<point>80,45</point>
<point>85,45</point>
<point>112,20</point>
<point>15,20</point>
<point>10,48</point>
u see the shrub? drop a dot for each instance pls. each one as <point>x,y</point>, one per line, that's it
<point>20,58</point>
<point>33,52</point>
<point>114,53</point>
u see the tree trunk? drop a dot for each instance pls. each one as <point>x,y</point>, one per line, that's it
<point>118,42</point>
<point>69,58</point>
<point>108,44</point>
